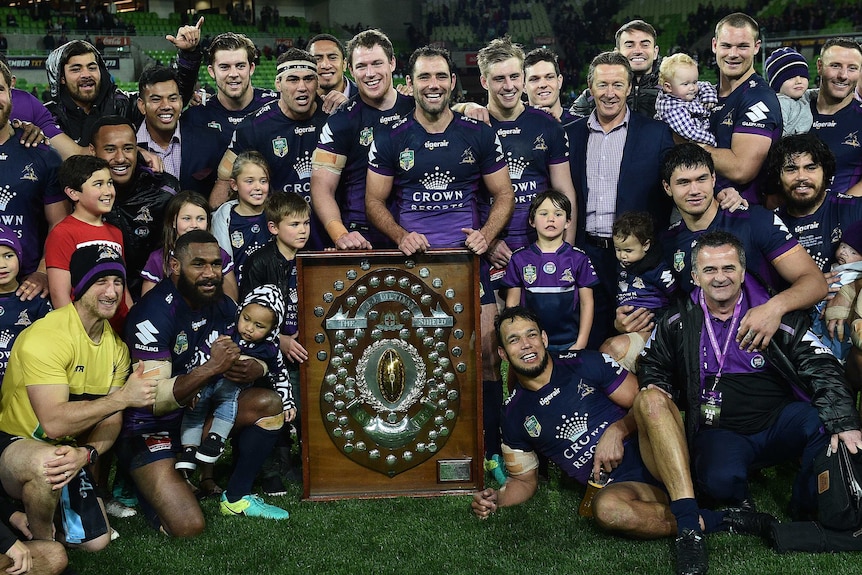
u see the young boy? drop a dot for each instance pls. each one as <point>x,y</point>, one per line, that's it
<point>257,326</point>
<point>644,281</point>
<point>786,71</point>
<point>683,102</point>
<point>17,314</point>
<point>288,219</point>
<point>553,278</point>
<point>87,181</point>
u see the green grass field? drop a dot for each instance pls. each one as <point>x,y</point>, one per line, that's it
<point>438,536</point>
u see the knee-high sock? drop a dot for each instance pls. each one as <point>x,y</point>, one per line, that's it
<point>255,444</point>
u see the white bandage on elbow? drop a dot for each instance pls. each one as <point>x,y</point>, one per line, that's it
<point>323,160</point>
<point>519,462</point>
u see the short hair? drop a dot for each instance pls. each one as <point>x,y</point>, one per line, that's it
<point>6,72</point>
<point>110,120</point>
<point>609,59</point>
<point>558,199</point>
<point>637,224</point>
<point>638,25</point>
<point>232,41</point>
<point>429,52</point>
<point>192,237</point>
<point>295,54</point>
<point>537,55</point>
<point>841,42</point>
<point>511,314</point>
<point>739,20</point>
<point>369,39</point>
<point>249,157</point>
<point>685,155</point>
<point>283,204</point>
<point>75,170</point>
<point>499,50</point>
<point>156,74</point>
<point>670,65</point>
<point>789,147</point>
<point>717,239</point>
<point>324,37</point>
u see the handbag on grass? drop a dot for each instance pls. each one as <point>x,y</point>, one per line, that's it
<point>839,494</point>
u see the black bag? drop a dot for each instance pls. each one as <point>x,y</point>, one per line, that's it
<point>810,536</point>
<point>839,494</point>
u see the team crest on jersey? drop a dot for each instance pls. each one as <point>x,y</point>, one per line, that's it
<point>214,125</point>
<point>851,140</point>
<point>279,147</point>
<point>181,344</point>
<point>585,389</point>
<point>23,318</point>
<point>2,311</point>
<point>549,268</point>
<point>28,173</point>
<point>638,283</point>
<point>236,239</point>
<point>255,228</point>
<point>530,274</point>
<point>757,362</point>
<point>467,157</point>
<point>144,215</point>
<point>407,159</point>
<point>728,119</point>
<point>540,144</point>
<point>679,260</point>
<point>366,136</point>
<point>567,275</point>
<point>533,427</point>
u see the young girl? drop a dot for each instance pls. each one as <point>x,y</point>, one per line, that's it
<point>185,212</point>
<point>239,225</point>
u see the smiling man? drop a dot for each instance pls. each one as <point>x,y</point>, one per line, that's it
<point>837,115</point>
<point>160,102</point>
<point>141,194</point>
<point>636,40</point>
<point>615,160</point>
<point>747,118</point>
<point>333,86</point>
<point>543,82</point>
<point>340,162</point>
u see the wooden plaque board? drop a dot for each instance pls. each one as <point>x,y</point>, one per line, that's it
<point>391,393</point>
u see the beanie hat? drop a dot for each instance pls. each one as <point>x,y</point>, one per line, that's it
<point>9,238</point>
<point>90,263</point>
<point>852,236</point>
<point>782,65</point>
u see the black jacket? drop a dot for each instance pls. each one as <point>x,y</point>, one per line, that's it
<point>671,362</point>
<point>267,266</point>
<point>76,123</point>
<point>641,100</point>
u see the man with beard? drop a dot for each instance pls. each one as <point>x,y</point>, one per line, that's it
<point>747,118</point>
<point>286,133</point>
<point>83,90</point>
<point>32,200</point>
<point>230,63</point>
<point>166,330</point>
<point>63,395</point>
<point>340,162</point>
<point>636,40</point>
<point>141,194</point>
<point>837,115</point>
<point>631,442</point>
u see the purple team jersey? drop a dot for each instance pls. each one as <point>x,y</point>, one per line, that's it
<point>841,131</point>
<point>820,233</point>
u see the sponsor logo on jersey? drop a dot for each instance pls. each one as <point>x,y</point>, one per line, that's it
<point>146,332</point>
<point>549,268</point>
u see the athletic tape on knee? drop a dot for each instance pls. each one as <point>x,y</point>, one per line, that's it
<point>519,462</point>
<point>630,359</point>
<point>271,422</point>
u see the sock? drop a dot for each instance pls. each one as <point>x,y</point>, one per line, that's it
<point>492,406</point>
<point>713,520</point>
<point>255,444</point>
<point>687,514</point>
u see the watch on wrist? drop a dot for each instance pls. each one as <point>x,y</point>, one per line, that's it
<point>92,454</point>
